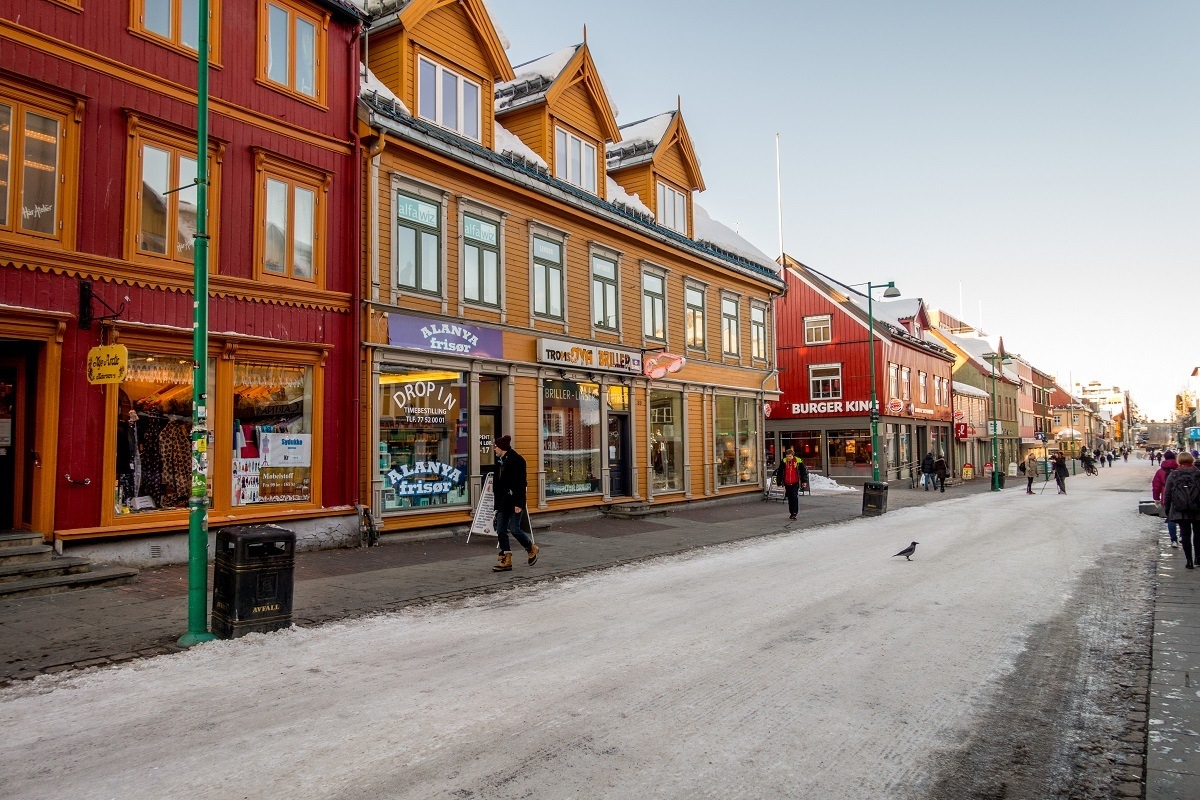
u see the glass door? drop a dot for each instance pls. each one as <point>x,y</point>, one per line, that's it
<point>618,450</point>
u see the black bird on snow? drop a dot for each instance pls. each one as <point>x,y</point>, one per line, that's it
<point>908,551</point>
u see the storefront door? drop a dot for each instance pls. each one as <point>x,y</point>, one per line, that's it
<point>16,454</point>
<point>489,430</point>
<point>618,453</point>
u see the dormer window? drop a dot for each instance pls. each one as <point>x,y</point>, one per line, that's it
<point>672,208</point>
<point>448,99</point>
<point>574,160</point>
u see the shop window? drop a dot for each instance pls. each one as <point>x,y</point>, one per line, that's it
<point>291,214</point>
<point>666,441</point>
<point>805,444</point>
<point>292,50</point>
<point>604,293</point>
<point>736,441</point>
<point>163,197</point>
<point>729,326</point>
<point>272,428</point>
<point>571,437</point>
<point>758,332</point>
<point>153,434</point>
<point>693,317</point>
<point>481,261</point>
<point>448,99</point>
<point>423,445</point>
<point>34,180</point>
<point>654,307</point>
<point>176,23</point>
<point>825,382</point>
<point>418,245</point>
<point>547,278</point>
<point>850,453</point>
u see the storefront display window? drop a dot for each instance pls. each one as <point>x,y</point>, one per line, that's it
<point>806,445</point>
<point>272,429</point>
<point>736,441</point>
<point>571,437</point>
<point>423,444</point>
<point>154,422</point>
<point>666,441</point>
<point>849,453</point>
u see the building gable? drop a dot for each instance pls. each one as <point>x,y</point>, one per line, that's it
<point>465,33</point>
<point>577,97</point>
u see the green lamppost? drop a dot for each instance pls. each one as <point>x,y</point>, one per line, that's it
<point>890,291</point>
<point>992,358</point>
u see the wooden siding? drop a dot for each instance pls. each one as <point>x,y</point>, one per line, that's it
<point>447,32</point>
<point>575,107</point>
<point>637,180</point>
<point>531,126</point>
<point>670,165</point>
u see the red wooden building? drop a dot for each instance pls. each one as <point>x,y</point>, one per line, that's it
<point>824,359</point>
<point>97,135</point>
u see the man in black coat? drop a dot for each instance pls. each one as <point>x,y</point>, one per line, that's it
<point>509,487</point>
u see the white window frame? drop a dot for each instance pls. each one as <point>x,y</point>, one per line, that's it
<point>439,231</point>
<point>562,160</point>
<point>893,380</point>
<point>906,383</point>
<point>699,342</point>
<point>615,259</point>
<point>464,242</point>
<point>656,303</point>
<point>460,127</point>
<point>559,241</point>
<point>815,324</point>
<point>735,328</point>
<point>758,332</point>
<point>672,208</point>
<point>832,394</point>
<point>923,385</point>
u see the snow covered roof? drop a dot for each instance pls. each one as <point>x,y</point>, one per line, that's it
<point>967,389</point>
<point>893,312</point>
<point>618,196</point>
<point>975,348</point>
<point>708,230</point>
<point>507,143</point>
<point>639,140</point>
<point>369,84</point>
<point>533,79</point>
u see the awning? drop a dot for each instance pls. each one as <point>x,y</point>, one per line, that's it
<point>1069,433</point>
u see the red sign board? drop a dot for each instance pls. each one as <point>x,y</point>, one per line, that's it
<point>961,430</point>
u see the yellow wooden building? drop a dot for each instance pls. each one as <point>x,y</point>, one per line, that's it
<point>532,268</point>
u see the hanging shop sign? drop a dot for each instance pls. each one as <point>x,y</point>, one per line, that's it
<point>107,364</point>
<point>589,357</point>
<point>439,336</point>
<point>895,405</point>
<point>962,430</point>
<point>959,415</point>
<point>659,365</point>
<point>424,478</point>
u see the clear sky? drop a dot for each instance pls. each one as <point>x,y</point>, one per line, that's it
<point>1042,154</point>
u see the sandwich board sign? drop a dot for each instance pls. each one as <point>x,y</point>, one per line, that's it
<point>484,522</point>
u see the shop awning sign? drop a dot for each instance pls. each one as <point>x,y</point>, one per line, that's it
<point>589,356</point>
<point>440,336</point>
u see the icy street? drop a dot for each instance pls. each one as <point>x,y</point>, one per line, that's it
<point>810,664</point>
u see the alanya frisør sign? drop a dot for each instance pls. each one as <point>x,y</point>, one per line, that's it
<point>439,336</point>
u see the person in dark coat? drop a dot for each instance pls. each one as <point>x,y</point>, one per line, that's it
<point>941,471</point>
<point>1156,488</point>
<point>1186,518</point>
<point>927,470</point>
<point>791,474</point>
<point>509,487</point>
<point>1060,472</point>
<point>1110,458</point>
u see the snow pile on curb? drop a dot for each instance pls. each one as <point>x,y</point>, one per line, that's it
<point>819,483</point>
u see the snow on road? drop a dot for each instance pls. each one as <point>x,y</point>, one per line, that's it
<point>810,664</point>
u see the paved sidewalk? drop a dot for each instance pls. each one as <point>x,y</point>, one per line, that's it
<point>1173,747</point>
<point>93,627</point>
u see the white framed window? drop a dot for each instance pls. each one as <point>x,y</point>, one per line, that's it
<point>758,332</point>
<point>825,382</point>
<point>906,383</point>
<point>693,317</point>
<point>480,261</point>
<point>893,380</point>
<point>448,99</point>
<point>818,330</point>
<point>730,324</point>
<point>418,244</point>
<point>923,384</point>
<point>672,208</point>
<point>547,277</point>
<point>574,160</point>
<point>654,306</point>
<point>604,293</point>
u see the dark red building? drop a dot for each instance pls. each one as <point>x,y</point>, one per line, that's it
<point>824,359</point>
<point>98,114</point>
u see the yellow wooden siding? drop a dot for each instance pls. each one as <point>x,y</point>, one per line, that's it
<point>385,59</point>
<point>529,125</point>
<point>575,107</point>
<point>639,181</point>
<point>526,428</point>
<point>448,33</point>
<point>670,164</point>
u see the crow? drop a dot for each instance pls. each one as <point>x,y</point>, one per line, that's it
<point>908,551</point>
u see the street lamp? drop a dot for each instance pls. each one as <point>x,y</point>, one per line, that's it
<point>889,291</point>
<point>992,358</point>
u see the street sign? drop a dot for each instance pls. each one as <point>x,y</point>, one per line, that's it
<point>995,428</point>
<point>1041,437</point>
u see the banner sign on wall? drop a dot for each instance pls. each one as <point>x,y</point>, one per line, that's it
<point>438,336</point>
<point>589,356</point>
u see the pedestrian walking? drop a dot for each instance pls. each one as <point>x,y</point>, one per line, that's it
<point>1110,458</point>
<point>509,487</point>
<point>1030,469</point>
<point>927,470</point>
<point>791,474</point>
<point>941,470</point>
<point>1060,472</point>
<point>1156,489</point>
<point>1125,455</point>
<point>1181,495</point>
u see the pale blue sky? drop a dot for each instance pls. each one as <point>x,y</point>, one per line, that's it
<point>1041,153</point>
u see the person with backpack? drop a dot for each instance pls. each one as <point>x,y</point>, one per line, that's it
<point>1156,488</point>
<point>1060,472</point>
<point>1181,498</point>
<point>941,471</point>
<point>791,474</point>
<point>927,470</point>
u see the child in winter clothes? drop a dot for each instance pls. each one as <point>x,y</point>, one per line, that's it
<point>1156,487</point>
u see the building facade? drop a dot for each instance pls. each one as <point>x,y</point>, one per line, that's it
<point>97,221</point>
<point>533,269</point>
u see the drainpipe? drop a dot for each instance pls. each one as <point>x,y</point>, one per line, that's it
<point>354,259</point>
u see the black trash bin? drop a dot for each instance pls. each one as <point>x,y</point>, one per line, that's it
<point>874,498</point>
<point>252,580</point>
<point>1000,479</point>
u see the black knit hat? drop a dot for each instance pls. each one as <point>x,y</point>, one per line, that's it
<point>504,443</point>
